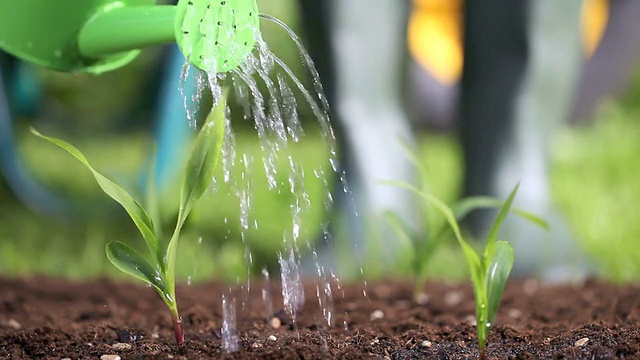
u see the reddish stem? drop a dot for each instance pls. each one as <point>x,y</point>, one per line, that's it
<point>177,328</point>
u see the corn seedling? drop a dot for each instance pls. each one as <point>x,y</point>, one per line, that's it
<point>489,270</point>
<point>424,244</point>
<point>159,269</point>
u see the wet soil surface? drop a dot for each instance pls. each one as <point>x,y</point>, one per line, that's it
<point>46,318</point>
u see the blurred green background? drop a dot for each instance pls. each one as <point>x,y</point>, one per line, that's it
<point>595,174</point>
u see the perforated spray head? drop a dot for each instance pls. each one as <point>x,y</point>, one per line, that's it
<point>217,35</point>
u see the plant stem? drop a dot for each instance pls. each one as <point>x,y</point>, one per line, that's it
<point>177,327</point>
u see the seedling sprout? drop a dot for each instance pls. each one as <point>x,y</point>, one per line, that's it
<point>489,271</point>
<point>159,269</point>
<point>424,244</point>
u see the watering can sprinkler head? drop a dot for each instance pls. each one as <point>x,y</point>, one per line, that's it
<point>217,35</point>
<point>95,36</point>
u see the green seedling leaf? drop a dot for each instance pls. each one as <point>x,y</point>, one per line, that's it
<point>497,274</point>
<point>204,158</point>
<point>538,221</point>
<point>117,193</point>
<point>464,206</point>
<point>497,224</point>
<point>130,262</point>
<point>475,265</point>
<point>199,173</point>
<point>415,161</point>
<point>400,229</point>
<point>419,252</point>
<point>472,258</point>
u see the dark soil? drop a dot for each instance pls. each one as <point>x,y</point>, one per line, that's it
<point>45,318</point>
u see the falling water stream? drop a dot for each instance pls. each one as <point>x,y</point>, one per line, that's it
<point>266,90</point>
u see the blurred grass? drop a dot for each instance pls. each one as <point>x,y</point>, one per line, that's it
<point>211,245</point>
<point>595,177</point>
<point>594,181</point>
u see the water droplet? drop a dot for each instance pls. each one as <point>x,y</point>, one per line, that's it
<point>267,91</point>
<point>230,340</point>
<point>266,294</point>
<point>292,288</point>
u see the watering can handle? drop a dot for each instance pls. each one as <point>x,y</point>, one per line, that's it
<point>83,35</point>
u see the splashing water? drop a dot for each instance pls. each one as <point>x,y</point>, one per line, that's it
<point>266,295</point>
<point>324,291</point>
<point>230,341</point>
<point>292,288</point>
<point>275,116</point>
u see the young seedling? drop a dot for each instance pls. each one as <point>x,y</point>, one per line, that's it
<point>489,271</point>
<point>159,269</point>
<point>425,244</point>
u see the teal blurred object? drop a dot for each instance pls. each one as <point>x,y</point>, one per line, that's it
<point>22,89</point>
<point>20,96</point>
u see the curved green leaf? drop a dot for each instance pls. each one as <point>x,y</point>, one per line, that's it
<point>201,167</point>
<point>475,266</point>
<point>130,262</point>
<point>540,222</point>
<point>464,206</point>
<point>204,157</point>
<point>497,275</point>
<point>117,193</point>
<point>400,228</point>
<point>497,223</point>
<point>412,155</point>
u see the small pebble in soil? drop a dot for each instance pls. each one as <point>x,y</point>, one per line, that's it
<point>110,357</point>
<point>471,320</point>
<point>256,345</point>
<point>582,342</point>
<point>453,298</point>
<point>426,343</point>
<point>121,346</point>
<point>375,341</point>
<point>272,338</point>
<point>422,298</point>
<point>514,313</point>
<point>13,324</point>
<point>377,315</point>
<point>530,286</point>
<point>275,322</point>
<point>125,336</point>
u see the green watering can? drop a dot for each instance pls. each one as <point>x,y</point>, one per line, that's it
<point>95,36</point>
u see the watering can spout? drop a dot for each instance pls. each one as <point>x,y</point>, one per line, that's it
<point>124,29</point>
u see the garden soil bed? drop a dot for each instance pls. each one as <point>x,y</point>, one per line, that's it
<point>47,318</point>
